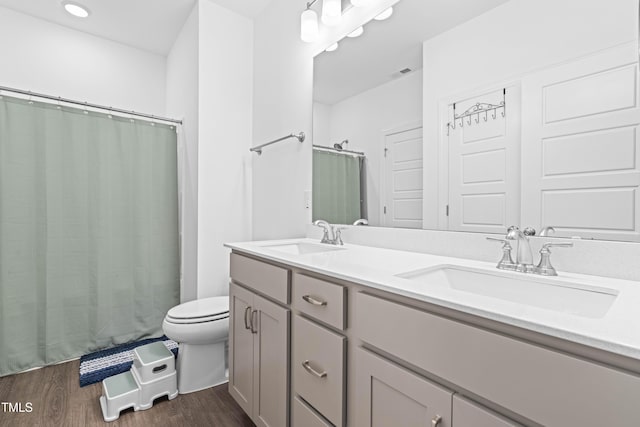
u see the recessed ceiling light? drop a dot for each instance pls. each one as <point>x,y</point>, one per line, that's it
<point>332,47</point>
<point>356,33</point>
<point>384,15</point>
<point>75,9</point>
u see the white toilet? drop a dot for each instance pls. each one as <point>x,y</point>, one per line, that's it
<point>201,329</point>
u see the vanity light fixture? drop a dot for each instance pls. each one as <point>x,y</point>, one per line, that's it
<point>309,24</point>
<point>385,14</point>
<point>356,33</point>
<point>75,9</point>
<point>331,12</point>
<point>332,47</point>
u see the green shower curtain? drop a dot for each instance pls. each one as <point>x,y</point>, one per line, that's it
<point>336,187</point>
<point>89,250</point>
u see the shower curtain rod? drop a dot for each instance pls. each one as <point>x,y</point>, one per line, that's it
<point>322,147</point>
<point>87,104</point>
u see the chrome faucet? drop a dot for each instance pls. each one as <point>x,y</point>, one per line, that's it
<point>330,230</point>
<point>524,257</point>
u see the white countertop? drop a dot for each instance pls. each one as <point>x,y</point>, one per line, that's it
<point>618,331</point>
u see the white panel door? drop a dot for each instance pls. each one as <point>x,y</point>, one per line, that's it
<point>484,165</point>
<point>580,145</point>
<point>403,178</point>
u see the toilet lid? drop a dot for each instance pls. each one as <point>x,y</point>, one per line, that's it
<point>200,309</point>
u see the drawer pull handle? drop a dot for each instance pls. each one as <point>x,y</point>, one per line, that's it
<point>312,371</point>
<point>254,315</point>
<point>435,422</point>
<point>246,315</point>
<point>312,300</point>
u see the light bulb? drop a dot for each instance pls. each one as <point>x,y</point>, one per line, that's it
<point>331,12</point>
<point>332,47</point>
<point>357,3</point>
<point>309,26</point>
<point>76,9</point>
<point>356,33</point>
<point>384,15</point>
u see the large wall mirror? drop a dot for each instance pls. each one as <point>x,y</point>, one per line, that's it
<point>474,115</point>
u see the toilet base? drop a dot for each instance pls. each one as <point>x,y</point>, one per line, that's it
<point>201,366</point>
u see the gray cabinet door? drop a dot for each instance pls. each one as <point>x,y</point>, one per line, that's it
<point>390,396</point>
<point>271,363</point>
<point>241,347</point>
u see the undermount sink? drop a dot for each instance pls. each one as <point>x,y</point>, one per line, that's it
<point>303,248</point>
<point>537,291</point>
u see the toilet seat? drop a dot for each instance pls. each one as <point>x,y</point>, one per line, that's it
<point>199,311</point>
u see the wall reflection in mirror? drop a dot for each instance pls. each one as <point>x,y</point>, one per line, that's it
<point>473,115</point>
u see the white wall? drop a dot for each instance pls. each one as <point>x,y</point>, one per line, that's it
<point>282,105</point>
<point>505,43</point>
<point>182,102</point>
<point>43,57</point>
<point>224,173</point>
<point>363,118</point>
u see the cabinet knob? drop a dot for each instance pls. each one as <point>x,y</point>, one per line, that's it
<point>313,301</point>
<point>435,422</point>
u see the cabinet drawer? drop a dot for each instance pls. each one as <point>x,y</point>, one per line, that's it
<point>265,278</point>
<point>546,386</point>
<point>322,300</point>
<point>304,416</point>
<point>469,414</point>
<point>319,368</point>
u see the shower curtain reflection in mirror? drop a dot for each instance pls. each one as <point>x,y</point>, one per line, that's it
<point>88,231</point>
<point>339,191</point>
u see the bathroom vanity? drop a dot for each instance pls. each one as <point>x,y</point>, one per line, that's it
<point>351,335</point>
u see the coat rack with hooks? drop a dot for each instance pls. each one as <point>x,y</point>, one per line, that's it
<point>481,111</point>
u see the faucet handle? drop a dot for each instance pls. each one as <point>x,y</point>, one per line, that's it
<point>337,232</point>
<point>544,267</point>
<point>506,262</point>
<point>495,239</point>
<point>546,246</point>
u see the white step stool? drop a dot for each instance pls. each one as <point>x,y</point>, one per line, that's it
<point>152,375</point>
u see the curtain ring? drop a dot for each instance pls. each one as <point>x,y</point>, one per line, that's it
<point>29,101</point>
<point>486,117</point>
<point>109,115</point>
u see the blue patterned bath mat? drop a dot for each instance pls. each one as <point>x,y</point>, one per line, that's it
<point>94,367</point>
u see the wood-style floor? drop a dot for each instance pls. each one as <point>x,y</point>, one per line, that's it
<point>58,400</point>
